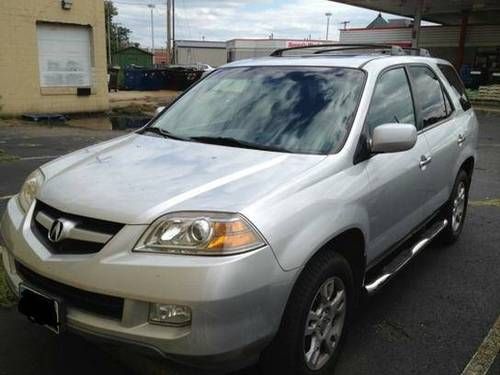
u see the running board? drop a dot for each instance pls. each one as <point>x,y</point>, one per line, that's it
<point>402,259</point>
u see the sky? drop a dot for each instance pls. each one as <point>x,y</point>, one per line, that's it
<point>229,19</point>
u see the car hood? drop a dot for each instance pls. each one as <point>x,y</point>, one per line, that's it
<point>137,178</point>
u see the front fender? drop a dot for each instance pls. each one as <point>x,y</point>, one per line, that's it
<point>300,223</point>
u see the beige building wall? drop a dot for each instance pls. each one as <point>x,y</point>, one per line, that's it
<point>20,88</point>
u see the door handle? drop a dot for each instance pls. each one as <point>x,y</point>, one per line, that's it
<point>424,160</point>
<point>460,140</point>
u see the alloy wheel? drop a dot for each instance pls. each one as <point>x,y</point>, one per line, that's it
<point>458,210</point>
<point>324,323</point>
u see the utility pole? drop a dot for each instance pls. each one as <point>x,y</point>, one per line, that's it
<point>152,7</point>
<point>108,5</point>
<point>169,29</point>
<point>174,58</point>
<point>328,15</point>
<point>345,23</point>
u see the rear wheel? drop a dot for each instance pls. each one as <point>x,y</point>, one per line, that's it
<point>315,319</point>
<point>456,208</point>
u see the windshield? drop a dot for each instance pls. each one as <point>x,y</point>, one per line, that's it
<point>290,109</point>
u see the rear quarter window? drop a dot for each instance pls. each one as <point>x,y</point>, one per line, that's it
<point>456,83</point>
<point>433,102</point>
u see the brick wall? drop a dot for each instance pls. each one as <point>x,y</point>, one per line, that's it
<point>20,90</point>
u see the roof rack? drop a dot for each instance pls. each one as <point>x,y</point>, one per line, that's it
<point>417,51</point>
<point>380,48</point>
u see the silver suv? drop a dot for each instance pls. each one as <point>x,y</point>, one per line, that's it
<point>248,218</point>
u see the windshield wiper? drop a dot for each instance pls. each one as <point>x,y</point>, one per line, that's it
<point>164,133</point>
<point>233,142</point>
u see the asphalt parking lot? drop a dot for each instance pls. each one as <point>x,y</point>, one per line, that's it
<point>431,319</point>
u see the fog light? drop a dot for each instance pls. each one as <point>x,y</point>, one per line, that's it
<point>171,315</point>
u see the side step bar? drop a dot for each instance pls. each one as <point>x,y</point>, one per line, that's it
<point>402,259</point>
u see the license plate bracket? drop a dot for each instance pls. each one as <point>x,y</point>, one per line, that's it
<point>41,308</point>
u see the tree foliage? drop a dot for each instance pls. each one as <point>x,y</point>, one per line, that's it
<point>119,35</point>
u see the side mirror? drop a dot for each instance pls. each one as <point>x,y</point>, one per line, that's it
<point>393,138</point>
<point>159,110</point>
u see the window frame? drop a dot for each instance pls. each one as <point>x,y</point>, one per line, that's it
<point>420,128</point>
<point>412,95</point>
<point>361,151</point>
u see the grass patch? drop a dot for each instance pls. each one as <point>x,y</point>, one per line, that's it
<point>472,94</point>
<point>7,299</point>
<point>134,109</point>
<point>5,157</point>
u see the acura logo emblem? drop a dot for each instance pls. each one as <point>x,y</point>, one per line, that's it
<point>56,231</point>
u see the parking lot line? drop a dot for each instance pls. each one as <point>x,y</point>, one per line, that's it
<point>482,360</point>
<point>493,202</point>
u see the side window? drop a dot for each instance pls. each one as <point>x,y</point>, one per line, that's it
<point>433,101</point>
<point>456,83</point>
<point>392,101</point>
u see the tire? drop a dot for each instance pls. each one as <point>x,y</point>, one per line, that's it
<point>327,272</point>
<point>455,209</point>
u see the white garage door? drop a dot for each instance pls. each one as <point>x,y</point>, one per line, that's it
<point>64,55</point>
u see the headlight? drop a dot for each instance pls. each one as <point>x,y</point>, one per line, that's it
<point>30,189</point>
<point>200,233</point>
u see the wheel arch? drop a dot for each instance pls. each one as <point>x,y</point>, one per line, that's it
<point>468,166</point>
<point>351,245</point>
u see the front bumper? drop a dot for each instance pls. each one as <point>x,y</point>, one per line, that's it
<point>236,301</point>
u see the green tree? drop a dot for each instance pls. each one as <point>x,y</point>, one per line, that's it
<point>119,36</point>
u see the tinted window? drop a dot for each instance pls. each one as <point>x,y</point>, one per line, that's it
<point>391,101</point>
<point>295,109</point>
<point>430,95</point>
<point>456,83</point>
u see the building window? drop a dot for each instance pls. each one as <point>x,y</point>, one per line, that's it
<point>64,54</point>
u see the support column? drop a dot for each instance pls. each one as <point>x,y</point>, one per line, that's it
<point>461,40</point>
<point>415,35</point>
<point>174,57</point>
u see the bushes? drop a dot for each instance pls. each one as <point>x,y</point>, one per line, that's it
<point>7,299</point>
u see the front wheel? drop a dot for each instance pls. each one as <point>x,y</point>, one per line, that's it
<point>456,208</point>
<point>315,319</point>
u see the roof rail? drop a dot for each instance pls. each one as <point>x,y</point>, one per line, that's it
<point>331,47</point>
<point>417,51</point>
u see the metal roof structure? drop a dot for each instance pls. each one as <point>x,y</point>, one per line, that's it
<point>377,22</point>
<point>446,12</point>
<point>199,44</point>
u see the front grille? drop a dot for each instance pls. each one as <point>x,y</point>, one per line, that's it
<point>72,245</point>
<point>100,304</point>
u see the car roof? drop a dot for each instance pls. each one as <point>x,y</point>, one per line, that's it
<point>346,61</point>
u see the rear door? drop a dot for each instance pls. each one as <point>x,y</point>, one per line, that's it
<point>397,180</point>
<point>441,131</point>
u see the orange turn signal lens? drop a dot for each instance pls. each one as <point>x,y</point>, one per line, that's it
<point>232,235</point>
